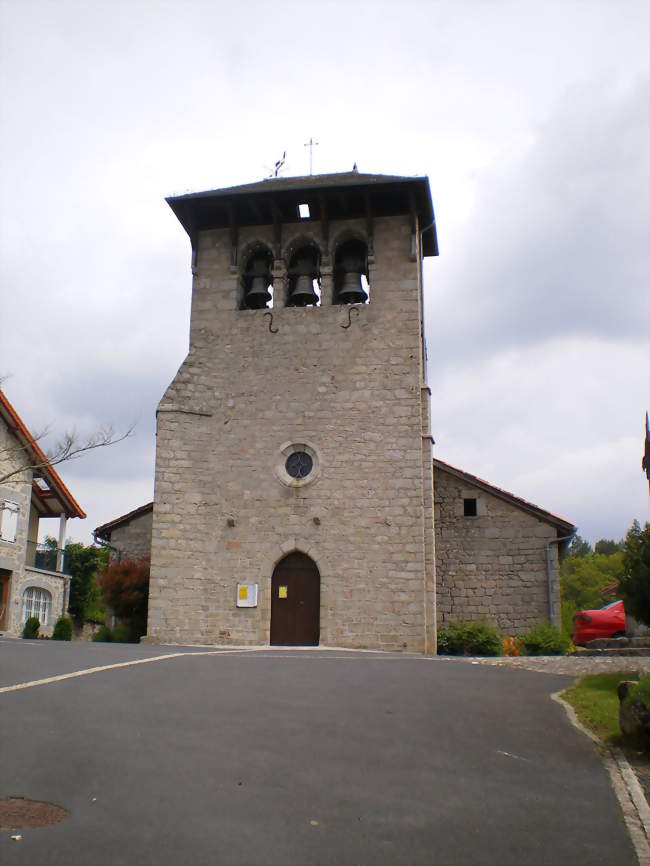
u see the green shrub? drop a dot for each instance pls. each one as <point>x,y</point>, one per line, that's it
<point>103,634</point>
<point>31,628</point>
<point>62,629</point>
<point>470,638</point>
<point>123,634</point>
<point>95,613</point>
<point>543,639</point>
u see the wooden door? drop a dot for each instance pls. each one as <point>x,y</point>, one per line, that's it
<point>295,602</point>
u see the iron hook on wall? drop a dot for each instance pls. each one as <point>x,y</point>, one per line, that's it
<point>350,311</point>
<point>271,328</point>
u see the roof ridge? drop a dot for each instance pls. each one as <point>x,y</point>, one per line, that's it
<point>298,180</point>
<point>111,524</point>
<point>512,497</point>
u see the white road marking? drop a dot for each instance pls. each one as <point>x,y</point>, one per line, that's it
<point>85,672</point>
<point>263,652</point>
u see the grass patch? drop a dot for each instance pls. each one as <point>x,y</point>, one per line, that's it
<point>595,700</point>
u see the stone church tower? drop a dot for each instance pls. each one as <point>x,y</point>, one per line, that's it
<point>293,493</point>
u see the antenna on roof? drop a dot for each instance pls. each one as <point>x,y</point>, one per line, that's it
<point>277,166</point>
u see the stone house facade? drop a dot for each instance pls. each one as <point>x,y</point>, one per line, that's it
<point>128,536</point>
<point>33,576</point>
<point>497,556</point>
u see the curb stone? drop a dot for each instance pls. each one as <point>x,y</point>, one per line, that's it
<point>634,806</point>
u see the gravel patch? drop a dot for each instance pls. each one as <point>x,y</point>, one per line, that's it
<point>565,665</point>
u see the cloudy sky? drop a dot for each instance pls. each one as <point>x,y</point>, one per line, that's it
<point>531,120</point>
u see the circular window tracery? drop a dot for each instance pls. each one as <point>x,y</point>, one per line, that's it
<point>299,464</point>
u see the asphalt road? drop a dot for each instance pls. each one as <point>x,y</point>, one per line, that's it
<point>298,757</point>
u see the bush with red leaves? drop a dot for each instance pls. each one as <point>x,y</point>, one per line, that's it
<point>125,588</point>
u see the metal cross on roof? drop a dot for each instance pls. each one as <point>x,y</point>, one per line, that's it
<point>311,144</point>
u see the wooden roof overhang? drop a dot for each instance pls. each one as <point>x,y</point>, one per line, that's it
<point>50,496</point>
<point>330,197</point>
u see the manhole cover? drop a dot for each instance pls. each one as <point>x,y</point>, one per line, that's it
<point>16,813</point>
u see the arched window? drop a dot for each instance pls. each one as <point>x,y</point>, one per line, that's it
<point>351,273</point>
<point>257,280</point>
<point>37,602</point>
<point>304,277</point>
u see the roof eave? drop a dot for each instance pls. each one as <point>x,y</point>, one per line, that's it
<point>105,529</point>
<point>181,204</point>
<point>39,458</point>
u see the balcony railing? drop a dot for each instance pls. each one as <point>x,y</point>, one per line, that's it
<point>46,557</point>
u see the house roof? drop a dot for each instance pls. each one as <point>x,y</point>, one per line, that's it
<point>104,531</point>
<point>563,525</point>
<point>50,496</point>
<point>345,195</point>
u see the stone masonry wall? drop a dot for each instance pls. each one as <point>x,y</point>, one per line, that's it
<point>17,489</point>
<point>133,539</point>
<point>353,394</point>
<point>492,566</point>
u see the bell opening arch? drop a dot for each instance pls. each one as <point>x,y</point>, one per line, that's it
<point>351,273</point>
<point>303,260</point>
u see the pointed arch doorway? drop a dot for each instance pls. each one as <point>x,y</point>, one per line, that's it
<point>295,602</point>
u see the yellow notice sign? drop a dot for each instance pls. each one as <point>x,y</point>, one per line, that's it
<point>282,591</point>
<point>246,594</point>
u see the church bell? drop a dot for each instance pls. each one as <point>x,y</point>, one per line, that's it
<point>259,279</point>
<point>303,293</point>
<point>258,294</point>
<point>351,291</point>
<point>351,266</point>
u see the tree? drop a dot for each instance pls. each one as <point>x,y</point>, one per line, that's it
<point>635,582</point>
<point>22,457</point>
<point>583,580</point>
<point>125,587</point>
<point>84,563</point>
<point>607,546</point>
<point>579,547</point>
<point>25,453</point>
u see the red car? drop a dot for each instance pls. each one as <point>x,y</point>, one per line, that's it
<point>608,621</point>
